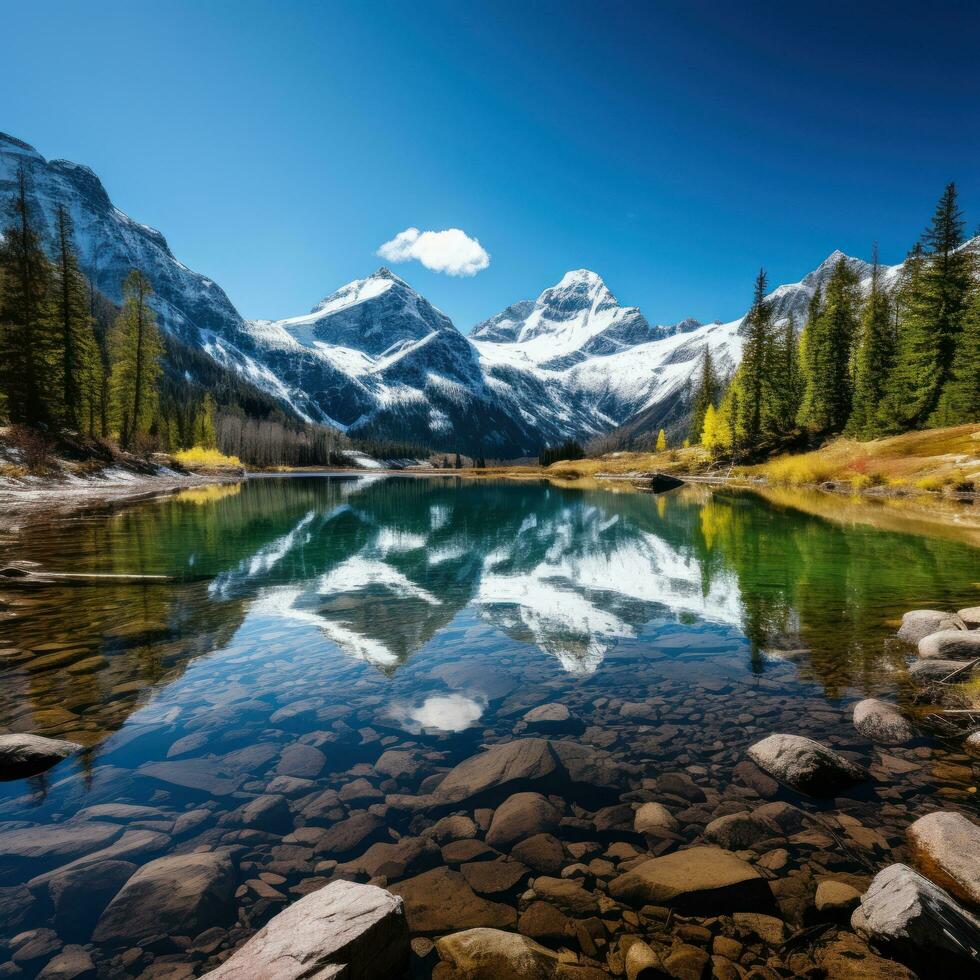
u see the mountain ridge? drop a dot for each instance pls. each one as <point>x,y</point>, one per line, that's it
<point>376,358</point>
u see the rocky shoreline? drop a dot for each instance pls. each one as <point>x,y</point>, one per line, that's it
<point>549,852</point>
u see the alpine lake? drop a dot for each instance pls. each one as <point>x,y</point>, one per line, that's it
<point>326,649</point>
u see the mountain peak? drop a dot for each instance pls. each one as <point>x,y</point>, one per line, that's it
<point>580,277</point>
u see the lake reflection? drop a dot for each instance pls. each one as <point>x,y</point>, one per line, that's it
<point>380,568</point>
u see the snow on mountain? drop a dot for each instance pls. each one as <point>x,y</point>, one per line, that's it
<point>377,359</point>
<point>603,362</point>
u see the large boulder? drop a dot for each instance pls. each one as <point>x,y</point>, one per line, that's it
<point>344,930</point>
<point>520,816</point>
<point>181,894</point>
<point>441,899</point>
<point>27,755</point>
<point>806,765</point>
<point>951,645</point>
<point>705,880</point>
<point>881,722</point>
<point>490,954</point>
<point>916,918</point>
<point>920,623</point>
<point>945,847</point>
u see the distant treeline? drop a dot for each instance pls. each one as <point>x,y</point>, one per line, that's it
<point>71,360</point>
<point>900,358</point>
<point>570,449</point>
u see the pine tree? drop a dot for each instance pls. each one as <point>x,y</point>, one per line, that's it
<point>136,349</point>
<point>785,377</point>
<point>458,462</point>
<point>29,348</point>
<point>755,411</point>
<point>827,399</point>
<point>960,399</point>
<point>661,441</point>
<point>901,405</point>
<point>705,394</point>
<point>874,357</point>
<point>80,358</point>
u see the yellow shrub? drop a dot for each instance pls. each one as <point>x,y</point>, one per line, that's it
<point>199,456</point>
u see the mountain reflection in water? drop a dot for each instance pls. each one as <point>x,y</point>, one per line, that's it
<point>380,567</point>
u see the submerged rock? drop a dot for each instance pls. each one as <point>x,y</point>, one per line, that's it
<point>27,755</point>
<point>945,847</point>
<point>651,817</point>
<point>951,644</point>
<point>933,669</point>
<point>182,894</point>
<point>441,899</point>
<point>903,910</point>
<point>836,897</point>
<point>806,765</point>
<point>705,880</point>
<point>739,830</point>
<point>553,719</point>
<point>520,816</point>
<point>849,958</point>
<point>490,954</point>
<point>528,763</point>
<point>881,722</point>
<point>357,932</point>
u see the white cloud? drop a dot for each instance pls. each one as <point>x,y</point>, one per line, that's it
<point>451,251</point>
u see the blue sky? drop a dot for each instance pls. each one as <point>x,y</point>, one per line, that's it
<point>671,147</point>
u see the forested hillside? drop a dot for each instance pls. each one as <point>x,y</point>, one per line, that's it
<point>904,356</point>
<point>73,361</point>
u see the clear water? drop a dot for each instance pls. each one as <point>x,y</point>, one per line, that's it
<point>433,613</point>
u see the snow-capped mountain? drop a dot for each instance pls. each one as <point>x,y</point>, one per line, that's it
<point>604,360</point>
<point>375,358</point>
<point>190,306</point>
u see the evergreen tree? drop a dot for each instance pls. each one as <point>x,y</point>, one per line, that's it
<point>705,395</point>
<point>661,441</point>
<point>785,377</point>
<point>960,399</point>
<point>934,299</point>
<point>29,348</point>
<point>827,398</point>
<point>874,357</point>
<point>81,366</point>
<point>902,402</point>
<point>136,349</point>
<point>204,426</point>
<point>458,462</point>
<point>754,418</point>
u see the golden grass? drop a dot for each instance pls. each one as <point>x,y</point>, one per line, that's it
<point>199,456</point>
<point>932,460</point>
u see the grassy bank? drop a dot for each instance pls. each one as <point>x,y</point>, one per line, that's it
<point>934,461</point>
<point>931,461</point>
